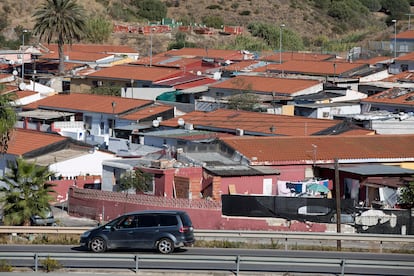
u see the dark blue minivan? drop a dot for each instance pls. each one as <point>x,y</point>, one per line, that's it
<point>161,230</point>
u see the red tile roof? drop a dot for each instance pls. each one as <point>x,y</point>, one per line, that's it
<point>133,72</point>
<point>207,53</point>
<point>80,56</point>
<point>312,67</point>
<point>204,81</point>
<point>147,112</point>
<point>396,95</point>
<point>254,122</point>
<point>285,150</point>
<point>88,102</point>
<point>22,94</point>
<point>161,61</point>
<point>408,56</point>
<point>405,76</point>
<point>404,35</point>
<point>299,56</point>
<point>266,84</point>
<point>240,66</point>
<point>25,141</point>
<point>93,48</point>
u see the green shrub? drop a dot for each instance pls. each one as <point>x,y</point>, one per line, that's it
<point>244,12</point>
<point>5,266</point>
<point>50,264</point>
<point>213,21</point>
<point>214,7</point>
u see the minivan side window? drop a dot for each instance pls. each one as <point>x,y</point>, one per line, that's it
<point>128,222</point>
<point>168,220</point>
<point>147,221</point>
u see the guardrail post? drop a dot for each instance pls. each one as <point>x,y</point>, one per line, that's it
<point>237,265</point>
<point>381,246</point>
<point>136,264</point>
<point>36,259</point>
<point>342,267</point>
<point>286,244</point>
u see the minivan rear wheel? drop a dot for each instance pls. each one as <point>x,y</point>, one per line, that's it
<point>98,245</point>
<point>165,246</point>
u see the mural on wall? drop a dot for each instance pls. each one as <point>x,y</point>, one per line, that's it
<point>320,210</point>
<point>384,221</point>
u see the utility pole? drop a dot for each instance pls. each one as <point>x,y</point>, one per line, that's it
<point>409,20</point>
<point>338,204</point>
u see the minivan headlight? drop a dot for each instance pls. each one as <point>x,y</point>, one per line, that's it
<point>86,234</point>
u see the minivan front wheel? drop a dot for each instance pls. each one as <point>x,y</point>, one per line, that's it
<point>98,245</point>
<point>165,246</point>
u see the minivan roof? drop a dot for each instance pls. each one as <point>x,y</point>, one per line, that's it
<point>155,212</point>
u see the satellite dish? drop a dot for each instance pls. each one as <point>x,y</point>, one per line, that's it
<point>15,72</point>
<point>155,123</point>
<point>199,73</point>
<point>22,86</point>
<point>181,122</point>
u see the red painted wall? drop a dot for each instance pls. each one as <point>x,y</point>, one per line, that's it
<point>205,214</point>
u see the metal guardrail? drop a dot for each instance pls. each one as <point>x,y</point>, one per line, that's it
<point>284,238</point>
<point>133,262</point>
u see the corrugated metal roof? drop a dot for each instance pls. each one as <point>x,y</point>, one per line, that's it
<point>376,170</point>
<point>44,114</point>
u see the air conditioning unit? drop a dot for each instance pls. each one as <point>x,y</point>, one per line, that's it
<point>99,83</point>
<point>189,126</point>
<point>239,132</point>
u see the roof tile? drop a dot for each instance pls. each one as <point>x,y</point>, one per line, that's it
<point>272,150</point>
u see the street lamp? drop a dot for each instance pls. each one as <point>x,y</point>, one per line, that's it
<point>24,31</point>
<point>152,29</point>
<point>280,43</point>
<point>395,37</point>
<point>113,118</point>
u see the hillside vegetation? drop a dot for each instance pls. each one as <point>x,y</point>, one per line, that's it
<point>309,24</point>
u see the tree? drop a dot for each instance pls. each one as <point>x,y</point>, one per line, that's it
<point>407,195</point>
<point>136,179</point>
<point>60,19</point>
<point>27,192</point>
<point>244,101</point>
<point>153,10</point>
<point>98,29</point>
<point>7,120</point>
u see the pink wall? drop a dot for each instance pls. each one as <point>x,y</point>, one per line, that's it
<point>247,184</point>
<point>205,214</point>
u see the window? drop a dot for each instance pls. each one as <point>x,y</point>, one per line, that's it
<point>168,220</point>
<point>147,221</point>
<point>128,222</point>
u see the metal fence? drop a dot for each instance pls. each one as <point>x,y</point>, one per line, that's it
<point>379,241</point>
<point>235,264</point>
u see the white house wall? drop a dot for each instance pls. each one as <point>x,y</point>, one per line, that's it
<point>90,163</point>
<point>310,90</point>
<point>329,111</point>
<point>144,93</point>
<point>351,95</point>
<point>375,77</point>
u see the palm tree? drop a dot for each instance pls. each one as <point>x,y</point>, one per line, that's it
<point>60,19</point>
<point>7,120</point>
<point>26,193</point>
